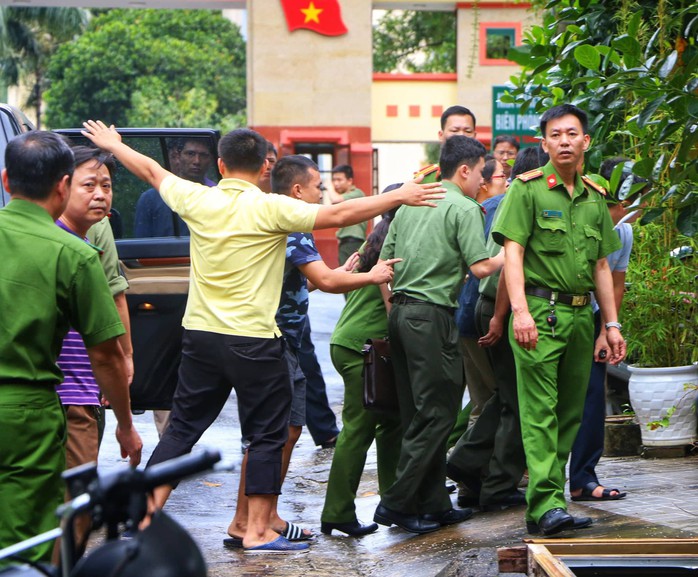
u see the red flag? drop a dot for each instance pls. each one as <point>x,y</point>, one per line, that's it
<point>321,16</point>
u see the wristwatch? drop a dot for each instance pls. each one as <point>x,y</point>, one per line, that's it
<point>614,326</point>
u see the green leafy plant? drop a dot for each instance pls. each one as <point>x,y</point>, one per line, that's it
<point>633,66</point>
<point>666,419</point>
<point>170,68</point>
<point>660,308</point>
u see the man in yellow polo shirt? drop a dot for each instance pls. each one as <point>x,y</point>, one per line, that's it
<point>238,251</point>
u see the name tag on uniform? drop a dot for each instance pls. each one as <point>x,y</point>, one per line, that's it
<point>552,214</point>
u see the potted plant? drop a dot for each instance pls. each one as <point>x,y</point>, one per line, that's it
<point>660,323</point>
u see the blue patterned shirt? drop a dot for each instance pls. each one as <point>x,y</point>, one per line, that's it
<point>293,307</point>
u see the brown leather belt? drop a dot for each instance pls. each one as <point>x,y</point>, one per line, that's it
<point>564,298</point>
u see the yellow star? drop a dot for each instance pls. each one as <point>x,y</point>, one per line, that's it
<point>311,13</point>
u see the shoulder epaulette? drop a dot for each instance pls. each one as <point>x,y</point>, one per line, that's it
<point>597,187</point>
<point>530,175</point>
<point>430,169</point>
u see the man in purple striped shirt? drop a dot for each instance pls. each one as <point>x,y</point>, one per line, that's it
<point>90,202</point>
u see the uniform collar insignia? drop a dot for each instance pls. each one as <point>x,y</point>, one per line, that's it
<point>552,181</point>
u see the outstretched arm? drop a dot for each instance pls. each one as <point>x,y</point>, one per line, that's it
<point>107,138</point>
<point>341,281</point>
<point>359,210</point>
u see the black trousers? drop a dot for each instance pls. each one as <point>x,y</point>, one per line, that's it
<point>319,416</point>
<point>212,364</point>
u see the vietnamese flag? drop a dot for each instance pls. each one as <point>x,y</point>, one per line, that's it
<point>321,16</point>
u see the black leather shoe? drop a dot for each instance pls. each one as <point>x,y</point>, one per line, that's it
<point>329,444</point>
<point>411,523</point>
<point>557,520</point>
<point>579,523</point>
<point>450,517</point>
<point>353,528</point>
<point>514,499</point>
<point>460,476</point>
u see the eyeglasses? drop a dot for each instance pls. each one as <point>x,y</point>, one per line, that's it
<point>498,176</point>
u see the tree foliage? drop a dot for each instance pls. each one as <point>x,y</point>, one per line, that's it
<point>633,66</point>
<point>28,38</point>
<point>168,68</point>
<point>415,41</point>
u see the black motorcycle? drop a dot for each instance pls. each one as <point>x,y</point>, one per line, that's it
<point>118,501</point>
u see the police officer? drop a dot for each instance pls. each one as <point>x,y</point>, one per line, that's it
<point>437,248</point>
<point>556,232</point>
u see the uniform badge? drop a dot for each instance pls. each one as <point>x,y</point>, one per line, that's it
<point>597,187</point>
<point>530,175</point>
<point>432,169</point>
<point>552,181</point>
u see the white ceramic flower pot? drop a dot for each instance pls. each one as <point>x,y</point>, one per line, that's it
<point>652,392</point>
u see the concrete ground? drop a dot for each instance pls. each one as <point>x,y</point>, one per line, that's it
<point>662,502</point>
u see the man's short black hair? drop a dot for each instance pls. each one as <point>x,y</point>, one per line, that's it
<point>84,154</point>
<point>606,170</point>
<point>243,149</point>
<point>456,111</point>
<point>459,150</point>
<point>344,169</point>
<point>563,110</point>
<point>508,138</point>
<point>529,158</point>
<point>290,170</point>
<point>36,161</point>
<point>271,148</point>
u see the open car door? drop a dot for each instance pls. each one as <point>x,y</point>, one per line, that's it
<point>153,247</point>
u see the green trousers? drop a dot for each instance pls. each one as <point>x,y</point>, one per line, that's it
<point>32,458</point>
<point>429,375</point>
<point>493,447</point>
<point>359,428</point>
<point>552,382</point>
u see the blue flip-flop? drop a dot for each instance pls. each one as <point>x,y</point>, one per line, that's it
<point>277,546</point>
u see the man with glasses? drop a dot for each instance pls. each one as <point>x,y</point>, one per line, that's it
<point>190,159</point>
<point>505,148</point>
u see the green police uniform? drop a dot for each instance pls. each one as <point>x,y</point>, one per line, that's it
<point>363,317</point>
<point>350,238</point>
<point>494,444</point>
<point>49,280</point>
<point>438,245</point>
<point>563,237</point>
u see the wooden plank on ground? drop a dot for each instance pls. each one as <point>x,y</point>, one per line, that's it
<point>542,563</point>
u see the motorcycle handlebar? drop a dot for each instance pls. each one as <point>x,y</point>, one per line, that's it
<point>178,468</point>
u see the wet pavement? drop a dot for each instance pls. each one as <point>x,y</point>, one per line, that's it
<point>662,502</point>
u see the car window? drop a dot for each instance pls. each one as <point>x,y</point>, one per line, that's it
<point>138,211</point>
<point>12,123</point>
<point>7,132</point>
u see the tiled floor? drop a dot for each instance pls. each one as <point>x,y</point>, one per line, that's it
<point>662,491</point>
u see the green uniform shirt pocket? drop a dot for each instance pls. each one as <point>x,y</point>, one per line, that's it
<point>593,238</point>
<point>551,235</point>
